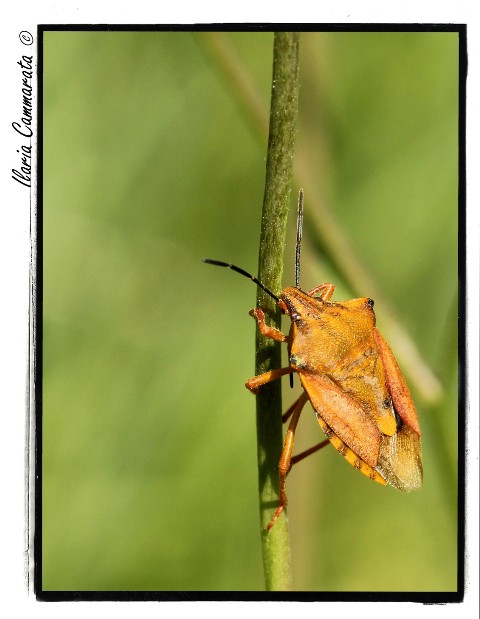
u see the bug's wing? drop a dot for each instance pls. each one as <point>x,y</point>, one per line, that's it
<point>400,460</point>
<point>397,386</point>
<point>344,415</point>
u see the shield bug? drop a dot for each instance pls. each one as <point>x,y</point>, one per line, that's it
<point>351,377</point>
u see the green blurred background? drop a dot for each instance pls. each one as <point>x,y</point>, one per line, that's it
<point>150,164</point>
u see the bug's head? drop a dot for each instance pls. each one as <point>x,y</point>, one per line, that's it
<point>288,304</point>
<point>297,304</point>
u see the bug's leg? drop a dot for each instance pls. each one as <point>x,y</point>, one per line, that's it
<point>308,452</point>
<point>256,382</point>
<point>286,416</point>
<point>286,457</point>
<point>275,334</point>
<point>326,287</point>
<point>271,332</point>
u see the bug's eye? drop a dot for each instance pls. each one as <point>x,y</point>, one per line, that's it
<point>370,303</point>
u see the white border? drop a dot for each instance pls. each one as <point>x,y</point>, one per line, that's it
<point>14,265</point>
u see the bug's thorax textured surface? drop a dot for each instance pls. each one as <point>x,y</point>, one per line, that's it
<point>330,336</point>
<point>336,339</point>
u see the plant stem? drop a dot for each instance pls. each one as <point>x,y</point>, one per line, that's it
<point>283,116</point>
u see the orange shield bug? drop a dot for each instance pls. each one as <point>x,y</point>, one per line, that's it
<point>351,377</point>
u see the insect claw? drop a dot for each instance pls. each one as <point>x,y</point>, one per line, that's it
<point>276,516</point>
<point>251,388</point>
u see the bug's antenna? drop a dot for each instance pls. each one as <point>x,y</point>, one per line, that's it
<point>242,272</point>
<point>299,238</point>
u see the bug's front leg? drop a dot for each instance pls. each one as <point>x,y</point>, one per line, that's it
<point>275,334</point>
<point>271,332</point>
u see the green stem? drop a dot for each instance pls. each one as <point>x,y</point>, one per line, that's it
<point>283,117</point>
